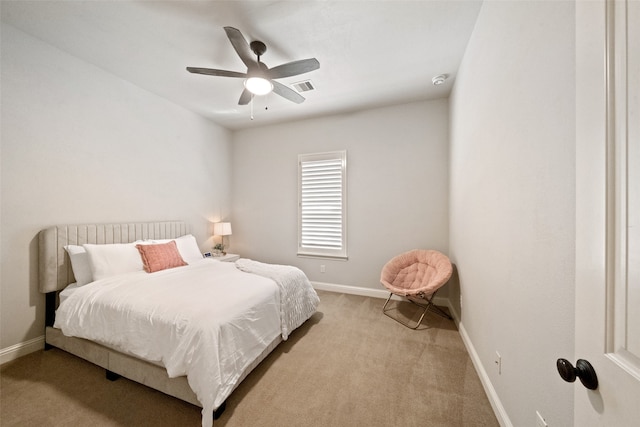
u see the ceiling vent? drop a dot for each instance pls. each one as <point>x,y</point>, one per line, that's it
<point>304,86</point>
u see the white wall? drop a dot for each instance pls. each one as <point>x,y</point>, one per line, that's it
<point>397,160</point>
<point>80,145</point>
<point>513,202</point>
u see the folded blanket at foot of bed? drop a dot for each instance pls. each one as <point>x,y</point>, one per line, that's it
<point>298,299</point>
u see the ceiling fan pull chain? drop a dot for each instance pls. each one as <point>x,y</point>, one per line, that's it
<point>251,106</point>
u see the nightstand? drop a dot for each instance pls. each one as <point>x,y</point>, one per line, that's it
<point>228,258</point>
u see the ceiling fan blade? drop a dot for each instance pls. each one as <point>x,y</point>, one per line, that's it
<point>245,97</point>
<point>241,46</point>
<point>214,72</point>
<point>287,92</point>
<point>294,68</point>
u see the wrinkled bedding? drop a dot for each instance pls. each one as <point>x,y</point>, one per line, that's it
<point>208,320</point>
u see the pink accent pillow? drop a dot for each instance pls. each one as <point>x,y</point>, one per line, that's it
<point>160,257</point>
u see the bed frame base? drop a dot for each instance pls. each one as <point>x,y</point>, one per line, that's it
<point>218,412</point>
<point>143,372</point>
<point>111,376</point>
<point>120,364</point>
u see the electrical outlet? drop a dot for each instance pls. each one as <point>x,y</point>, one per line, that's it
<point>498,362</point>
<point>540,422</point>
<point>322,269</point>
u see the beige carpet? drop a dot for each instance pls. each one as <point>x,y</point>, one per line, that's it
<point>349,365</point>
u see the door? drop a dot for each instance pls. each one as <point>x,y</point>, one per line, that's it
<point>607,300</point>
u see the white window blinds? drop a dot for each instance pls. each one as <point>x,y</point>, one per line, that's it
<point>322,204</point>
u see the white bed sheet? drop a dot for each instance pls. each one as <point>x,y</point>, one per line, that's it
<point>207,321</point>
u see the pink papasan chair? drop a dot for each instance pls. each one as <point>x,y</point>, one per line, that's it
<point>416,275</point>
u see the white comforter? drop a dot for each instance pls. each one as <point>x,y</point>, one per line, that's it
<point>207,321</point>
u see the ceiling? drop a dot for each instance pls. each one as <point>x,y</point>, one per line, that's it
<point>371,53</point>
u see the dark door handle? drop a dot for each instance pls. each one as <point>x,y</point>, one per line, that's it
<point>583,370</point>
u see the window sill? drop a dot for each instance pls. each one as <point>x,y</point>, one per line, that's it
<point>322,256</point>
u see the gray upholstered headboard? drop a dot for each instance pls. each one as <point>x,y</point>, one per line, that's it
<point>54,266</point>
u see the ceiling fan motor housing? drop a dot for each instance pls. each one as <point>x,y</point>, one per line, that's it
<point>258,47</point>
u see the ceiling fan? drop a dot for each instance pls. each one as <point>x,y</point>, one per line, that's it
<point>260,79</point>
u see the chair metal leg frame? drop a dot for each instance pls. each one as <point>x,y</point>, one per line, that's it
<point>430,305</point>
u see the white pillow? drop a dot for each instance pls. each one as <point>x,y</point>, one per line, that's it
<point>80,264</point>
<point>145,242</point>
<point>111,260</point>
<point>187,246</point>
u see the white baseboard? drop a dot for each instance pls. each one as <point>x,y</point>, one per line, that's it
<point>21,349</point>
<point>494,399</point>
<point>368,292</point>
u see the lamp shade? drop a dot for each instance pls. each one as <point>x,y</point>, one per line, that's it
<point>222,229</point>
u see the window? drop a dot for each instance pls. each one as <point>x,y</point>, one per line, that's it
<point>322,204</point>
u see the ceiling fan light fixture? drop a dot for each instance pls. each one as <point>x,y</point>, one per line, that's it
<point>258,85</point>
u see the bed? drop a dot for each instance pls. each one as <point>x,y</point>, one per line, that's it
<point>193,331</point>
